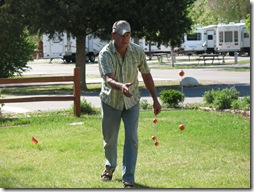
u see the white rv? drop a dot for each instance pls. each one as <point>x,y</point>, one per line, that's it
<point>221,38</point>
<point>210,38</point>
<point>64,47</point>
<point>53,48</point>
<point>232,37</point>
<point>155,48</point>
<point>196,41</point>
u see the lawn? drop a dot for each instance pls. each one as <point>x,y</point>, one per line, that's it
<point>213,151</point>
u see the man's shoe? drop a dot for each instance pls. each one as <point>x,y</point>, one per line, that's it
<point>128,184</point>
<point>106,176</point>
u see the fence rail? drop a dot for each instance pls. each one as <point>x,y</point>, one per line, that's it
<point>75,97</point>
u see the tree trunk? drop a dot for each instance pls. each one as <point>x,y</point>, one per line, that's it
<point>81,59</point>
<point>172,56</point>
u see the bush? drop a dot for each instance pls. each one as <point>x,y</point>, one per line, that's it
<point>222,99</point>
<point>87,108</point>
<point>171,98</point>
<point>145,105</point>
<point>209,96</point>
<point>243,103</point>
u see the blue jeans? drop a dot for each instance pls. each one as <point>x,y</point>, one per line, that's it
<point>111,119</point>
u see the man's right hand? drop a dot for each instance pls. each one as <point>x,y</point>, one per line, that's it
<point>125,89</point>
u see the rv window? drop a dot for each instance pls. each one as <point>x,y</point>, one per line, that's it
<point>228,36</point>
<point>235,36</point>
<point>147,43</point>
<point>246,35</point>
<point>56,38</point>
<point>210,37</point>
<point>194,37</point>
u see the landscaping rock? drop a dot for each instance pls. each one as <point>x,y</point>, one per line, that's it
<point>189,82</point>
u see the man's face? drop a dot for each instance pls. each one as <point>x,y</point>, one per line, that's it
<point>121,41</point>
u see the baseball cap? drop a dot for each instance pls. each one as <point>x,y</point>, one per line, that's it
<point>121,27</point>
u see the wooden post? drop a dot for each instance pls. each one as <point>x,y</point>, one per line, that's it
<point>77,108</point>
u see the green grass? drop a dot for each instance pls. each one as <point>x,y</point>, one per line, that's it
<point>194,64</point>
<point>212,152</point>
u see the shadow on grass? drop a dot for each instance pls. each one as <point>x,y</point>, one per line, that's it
<point>137,185</point>
<point>12,121</point>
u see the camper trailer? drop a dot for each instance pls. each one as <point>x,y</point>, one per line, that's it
<point>64,46</point>
<point>195,42</point>
<point>154,47</point>
<point>232,37</point>
<point>210,38</point>
<point>221,38</point>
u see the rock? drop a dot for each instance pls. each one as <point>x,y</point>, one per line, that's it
<point>189,82</point>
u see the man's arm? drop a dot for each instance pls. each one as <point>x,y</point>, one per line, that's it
<point>124,87</point>
<point>149,83</point>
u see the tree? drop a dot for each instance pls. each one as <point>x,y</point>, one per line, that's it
<point>15,45</point>
<point>162,20</point>
<point>207,12</point>
<point>247,23</point>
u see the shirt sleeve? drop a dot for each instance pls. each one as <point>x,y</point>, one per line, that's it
<point>105,63</point>
<point>143,67</point>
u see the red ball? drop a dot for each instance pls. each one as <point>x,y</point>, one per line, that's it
<point>156,143</point>
<point>181,73</point>
<point>155,120</point>
<point>181,127</point>
<point>153,137</point>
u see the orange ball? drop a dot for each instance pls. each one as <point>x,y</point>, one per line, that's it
<point>181,127</point>
<point>181,73</point>
<point>153,137</point>
<point>155,120</point>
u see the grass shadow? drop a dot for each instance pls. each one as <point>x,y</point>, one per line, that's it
<point>137,185</point>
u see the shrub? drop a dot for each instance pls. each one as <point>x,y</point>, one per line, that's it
<point>171,98</point>
<point>145,105</point>
<point>243,103</point>
<point>222,99</point>
<point>209,96</point>
<point>87,108</point>
<point>232,92</point>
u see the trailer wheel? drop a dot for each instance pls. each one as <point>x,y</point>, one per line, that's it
<point>87,58</point>
<point>68,60</point>
<point>91,57</point>
<point>231,54</point>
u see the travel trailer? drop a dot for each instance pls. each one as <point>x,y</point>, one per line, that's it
<point>64,46</point>
<point>155,47</point>
<point>210,38</point>
<point>195,41</point>
<point>221,38</point>
<point>232,37</point>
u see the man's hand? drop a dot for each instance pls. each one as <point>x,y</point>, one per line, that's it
<point>125,89</point>
<point>156,107</point>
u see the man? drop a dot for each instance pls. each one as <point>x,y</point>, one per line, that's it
<point>119,63</point>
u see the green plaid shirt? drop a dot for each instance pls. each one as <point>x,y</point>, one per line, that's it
<point>126,71</point>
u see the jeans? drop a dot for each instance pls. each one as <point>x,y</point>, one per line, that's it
<point>111,119</point>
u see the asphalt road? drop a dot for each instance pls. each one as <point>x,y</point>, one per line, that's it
<point>213,77</point>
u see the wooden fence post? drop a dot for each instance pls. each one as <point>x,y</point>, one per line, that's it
<point>77,108</point>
